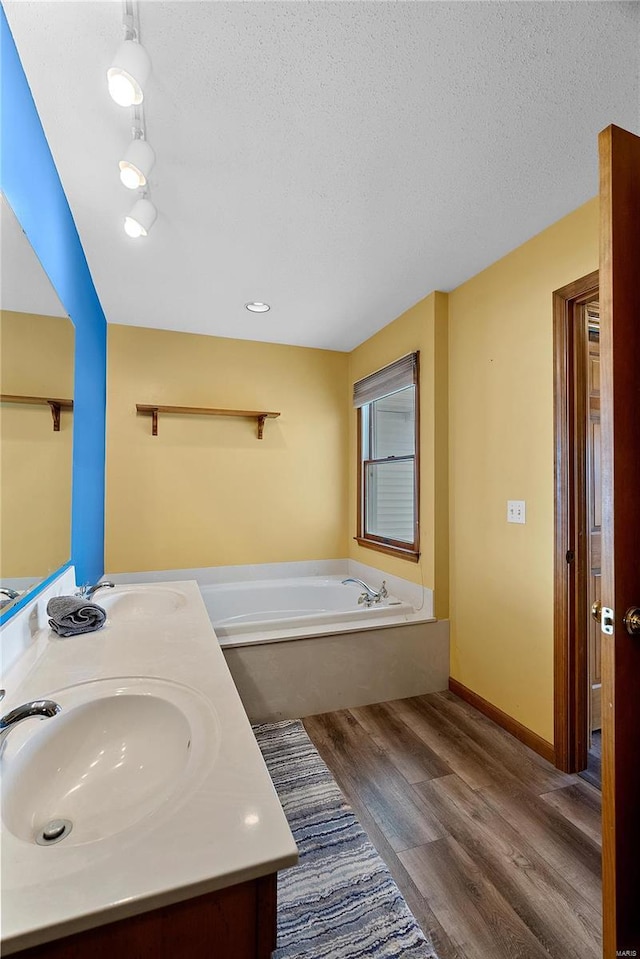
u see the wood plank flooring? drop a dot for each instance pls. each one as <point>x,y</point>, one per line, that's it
<point>496,852</point>
<point>593,773</point>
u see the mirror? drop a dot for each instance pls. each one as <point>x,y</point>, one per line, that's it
<point>36,366</point>
<point>30,182</point>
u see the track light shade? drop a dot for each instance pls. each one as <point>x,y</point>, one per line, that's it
<point>136,164</point>
<point>128,73</point>
<point>141,219</point>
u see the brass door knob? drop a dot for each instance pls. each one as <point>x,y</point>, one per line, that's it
<point>596,611</point>
<point>631,620</point>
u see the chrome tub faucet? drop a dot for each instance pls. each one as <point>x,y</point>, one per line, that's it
<point>370,596</point>
<point>38,708</point>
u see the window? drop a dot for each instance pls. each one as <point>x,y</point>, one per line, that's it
<point>387,404</point>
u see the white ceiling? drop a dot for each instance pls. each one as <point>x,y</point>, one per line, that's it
<point>338,160</point>
<point>24,286</point>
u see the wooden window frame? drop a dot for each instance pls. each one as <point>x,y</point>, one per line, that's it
<point>408,551</point>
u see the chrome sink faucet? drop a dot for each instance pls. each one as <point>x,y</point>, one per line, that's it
<point>8,592</point>
<point>370,596</point>
<point>39,708</point>
<point>87,590</point>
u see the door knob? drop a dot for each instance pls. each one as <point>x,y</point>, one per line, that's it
<point>596,611</point>
<point>631,620</point>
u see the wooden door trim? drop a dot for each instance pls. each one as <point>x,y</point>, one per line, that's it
<point>570,644</point>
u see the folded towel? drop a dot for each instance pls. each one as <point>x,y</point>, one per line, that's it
<point>71,615</point>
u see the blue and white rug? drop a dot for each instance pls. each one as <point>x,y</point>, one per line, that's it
<point>340,901</point>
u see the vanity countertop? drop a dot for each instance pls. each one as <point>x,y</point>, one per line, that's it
<point>228,829</point>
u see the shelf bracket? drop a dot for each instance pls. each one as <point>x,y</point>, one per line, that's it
<point>154,422</point>
<point>261,420</point>
<point>55,405</point>
<point>55,413</point>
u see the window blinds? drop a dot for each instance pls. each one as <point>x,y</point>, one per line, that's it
<point>396,376</point>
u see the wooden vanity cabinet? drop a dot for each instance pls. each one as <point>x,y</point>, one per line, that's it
<point>238,922</point>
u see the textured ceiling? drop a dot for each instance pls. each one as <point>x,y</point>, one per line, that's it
<point>25,287</point>
<point>338,160</point>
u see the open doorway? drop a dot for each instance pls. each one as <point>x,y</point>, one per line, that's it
<point>589,318</point>
<point>578,521</point>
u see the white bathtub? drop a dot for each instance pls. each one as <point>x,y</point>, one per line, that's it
<point>344,654</point>
<point>249,612</point>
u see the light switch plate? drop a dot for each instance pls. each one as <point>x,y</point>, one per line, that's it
<point>516,511</point>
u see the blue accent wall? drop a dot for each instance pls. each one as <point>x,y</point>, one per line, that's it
<point>30,181</point>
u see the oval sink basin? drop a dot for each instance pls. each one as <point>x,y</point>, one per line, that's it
<point>135,602</point>
<point>114,756</point>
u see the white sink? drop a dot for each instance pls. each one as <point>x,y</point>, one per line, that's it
<point>134,602</point>
<point>114,756</point>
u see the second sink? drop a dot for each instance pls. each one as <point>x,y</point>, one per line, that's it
<point>133,602</point>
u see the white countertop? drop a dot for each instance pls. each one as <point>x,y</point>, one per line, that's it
<point>230,829</point>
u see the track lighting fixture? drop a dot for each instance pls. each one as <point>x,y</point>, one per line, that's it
<point>136,164</point>
<point>128,73</point>
<point>141,218</point>
<point>126,76</point>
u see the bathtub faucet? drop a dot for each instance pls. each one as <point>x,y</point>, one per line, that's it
<point>370,596</point>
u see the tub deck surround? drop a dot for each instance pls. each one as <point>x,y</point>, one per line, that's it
<point>252,572</point>
<point>323,673</point>
<point>229,829</point>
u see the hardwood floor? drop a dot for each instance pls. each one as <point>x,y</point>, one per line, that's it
<point>593,773</point>
<point>496,852</point>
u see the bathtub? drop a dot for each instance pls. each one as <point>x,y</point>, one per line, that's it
<point>297,642</point>
<point>300,646</point>
<point>254,612</point>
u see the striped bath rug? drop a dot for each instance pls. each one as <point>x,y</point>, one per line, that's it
<point>340,901</point>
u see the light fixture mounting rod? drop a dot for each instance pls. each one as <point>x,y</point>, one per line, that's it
<point>138,125</point>
<point>131,20</point>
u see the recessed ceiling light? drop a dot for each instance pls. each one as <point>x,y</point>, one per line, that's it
<point>258,307</point>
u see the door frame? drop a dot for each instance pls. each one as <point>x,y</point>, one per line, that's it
<point>571,552</point>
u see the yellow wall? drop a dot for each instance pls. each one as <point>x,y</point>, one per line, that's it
<point>205,491</point>
<point>501,447</point>
<point>423,328</point>
<point>35,463</point>
<point>224,497</point>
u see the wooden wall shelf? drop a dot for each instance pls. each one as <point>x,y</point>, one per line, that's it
<point>55,405</point>
<point>257,415</point>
